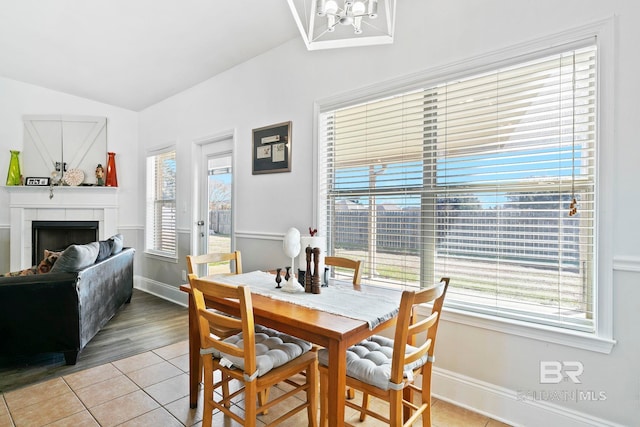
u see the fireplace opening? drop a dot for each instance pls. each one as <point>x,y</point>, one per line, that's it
<point>57,235</point>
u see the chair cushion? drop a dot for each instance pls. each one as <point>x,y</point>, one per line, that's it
<point>273,349</point>
<point>370,361</point>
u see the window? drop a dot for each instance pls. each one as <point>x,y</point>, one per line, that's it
<point>489,179</point>
<point>160,228</point>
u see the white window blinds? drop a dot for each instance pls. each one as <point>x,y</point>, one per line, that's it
<point>474,179</point>
<point>161,203</point>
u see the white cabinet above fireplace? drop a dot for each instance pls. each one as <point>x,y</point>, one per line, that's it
<point>54,144</point>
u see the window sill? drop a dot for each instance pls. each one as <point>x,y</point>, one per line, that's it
<point>581,340</point>
<point>161,257</point>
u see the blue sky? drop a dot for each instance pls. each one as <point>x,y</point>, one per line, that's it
<point>542,164</point>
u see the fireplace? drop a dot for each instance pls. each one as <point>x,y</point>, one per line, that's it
<point>57,235</point>
<point>69,205</point>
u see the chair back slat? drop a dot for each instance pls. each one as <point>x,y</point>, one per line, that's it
<point>418,328</point>
<point>193,261</point>
<point>423,325</point>
<point>220,319</point>
<point>419,353</point>
<point>355,265</point>
<point>213,342</point>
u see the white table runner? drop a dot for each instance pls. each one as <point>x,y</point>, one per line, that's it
<point>370,305</point>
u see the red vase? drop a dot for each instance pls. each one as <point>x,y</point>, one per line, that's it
<point>112,176</point>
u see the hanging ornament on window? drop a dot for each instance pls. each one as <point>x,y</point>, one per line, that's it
<point>573,207</point>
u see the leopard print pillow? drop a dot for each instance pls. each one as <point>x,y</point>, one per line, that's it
<point>44,266</point>
<point>26,272</point>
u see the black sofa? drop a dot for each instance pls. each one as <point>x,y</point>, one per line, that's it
<point>62,312</point>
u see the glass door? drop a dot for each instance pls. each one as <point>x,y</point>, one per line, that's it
<point>216,202</point>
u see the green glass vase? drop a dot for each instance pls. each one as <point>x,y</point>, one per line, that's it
<point>14,177</point>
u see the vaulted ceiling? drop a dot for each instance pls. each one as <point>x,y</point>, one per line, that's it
<point>134,53</point>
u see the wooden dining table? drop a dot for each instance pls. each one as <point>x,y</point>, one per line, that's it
<point>332,331</point>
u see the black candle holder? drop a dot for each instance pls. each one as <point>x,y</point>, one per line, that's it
<point>278,278</point>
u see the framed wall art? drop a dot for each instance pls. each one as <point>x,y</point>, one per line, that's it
<point>272,149</point>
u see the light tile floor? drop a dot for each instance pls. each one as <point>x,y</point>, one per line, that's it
<point>151,389</point>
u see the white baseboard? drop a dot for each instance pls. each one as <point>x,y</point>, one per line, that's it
<point>508,406</point>
<point>161,290</point>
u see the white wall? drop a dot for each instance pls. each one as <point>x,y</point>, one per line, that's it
<point>18,99</point>
<point>477,366</point>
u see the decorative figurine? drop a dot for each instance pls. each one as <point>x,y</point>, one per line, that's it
<point>100,175</point>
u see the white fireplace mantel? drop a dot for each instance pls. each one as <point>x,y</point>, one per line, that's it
<point>83,203</point>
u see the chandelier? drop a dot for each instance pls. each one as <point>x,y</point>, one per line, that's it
<point>326,24</point>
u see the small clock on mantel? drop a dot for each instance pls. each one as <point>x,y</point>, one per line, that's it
<point>37,181</point>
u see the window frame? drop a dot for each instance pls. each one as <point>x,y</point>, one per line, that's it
<point>601,340</point>
<point>149,250</point>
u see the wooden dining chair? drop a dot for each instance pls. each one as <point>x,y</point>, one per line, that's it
<point>386,368</point>
<point>257,358</point>
<point>197,264</point>
<point>346,263</point>
<point>233,259</point>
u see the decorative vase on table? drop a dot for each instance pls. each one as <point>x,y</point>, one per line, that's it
<point>112,177</point>
<point>13,176</point>
<point>291,247</point>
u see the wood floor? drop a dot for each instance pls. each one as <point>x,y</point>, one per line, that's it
<point>147,323</point>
